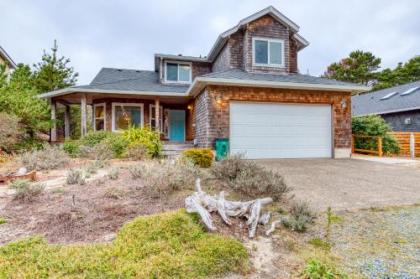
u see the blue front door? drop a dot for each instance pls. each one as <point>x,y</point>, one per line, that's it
<point>177,125</point>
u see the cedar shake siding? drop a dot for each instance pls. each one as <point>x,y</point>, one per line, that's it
<point>237,52</point>
<point>212,119</point>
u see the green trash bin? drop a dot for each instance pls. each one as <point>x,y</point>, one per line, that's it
<point>222,148</point>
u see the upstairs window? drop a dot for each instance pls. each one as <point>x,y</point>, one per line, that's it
<point>268,52</point>
<point>178,72</point>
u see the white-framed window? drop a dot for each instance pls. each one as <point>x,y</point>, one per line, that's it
<point>178,72</point>
<point>126,115</point>
<point>99,117</point>
<point>152,117</point>
<point>267,52</point>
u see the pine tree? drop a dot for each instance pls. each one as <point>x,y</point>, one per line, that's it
<point>53,73</point>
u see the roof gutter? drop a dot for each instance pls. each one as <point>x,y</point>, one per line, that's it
<point>200,82</point>
<point>389,111</point>
<point>66,91</point>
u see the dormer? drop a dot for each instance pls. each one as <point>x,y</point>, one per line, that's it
<point>179,69</point>
<point>266,42</point>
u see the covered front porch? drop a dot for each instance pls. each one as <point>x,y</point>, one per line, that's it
<point>172,116</point>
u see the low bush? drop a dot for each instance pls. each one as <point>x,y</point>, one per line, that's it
<point>146,137</point>
<point>94,138</point>
<point>229,168</point>
<point>249,178</point>
<point>114,173</point>
<point>315,269</point>
<point>137,171</point>
<point>72,148</point>
<point>202,157</point>
<point>374,125</point>
<point>2,221</point>
<point>300,217</point>
<point>166,178</point>
<point>117,144</point>
<point>94,166</point>
<point>25,190</point>
<point>167,245</point>
<point>48,158</point>
<point>75,176</point>
<point>114,193</point>
<point>319,243</point>
<point>137,151</point>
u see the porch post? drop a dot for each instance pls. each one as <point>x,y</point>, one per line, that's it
<point>67,122</point>
<point>53,135</point>
<point>83,128</point>
<point>157,114</point>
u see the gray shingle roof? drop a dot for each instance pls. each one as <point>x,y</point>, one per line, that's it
<point>371,103</point>
<point>131,80</point>
<point>295,78</point>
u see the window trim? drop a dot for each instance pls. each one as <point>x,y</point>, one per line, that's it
<point>152,116</point>
<point>94,115</point>
<point>268,40</point>
<point>140,105</point>
<point>178,63</point>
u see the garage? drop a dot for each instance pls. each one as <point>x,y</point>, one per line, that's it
<point>280,130</point>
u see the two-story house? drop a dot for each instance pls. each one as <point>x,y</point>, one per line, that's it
<point>247,89</point>
<point>7,61</point>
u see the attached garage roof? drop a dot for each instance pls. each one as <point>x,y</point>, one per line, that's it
<point>395,99</point>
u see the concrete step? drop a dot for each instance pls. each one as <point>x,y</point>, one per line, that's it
<point>175,149</point>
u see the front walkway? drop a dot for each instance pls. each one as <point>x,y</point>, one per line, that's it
<point>349,183</point>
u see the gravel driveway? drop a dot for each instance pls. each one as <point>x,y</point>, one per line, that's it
<point>349,183</point>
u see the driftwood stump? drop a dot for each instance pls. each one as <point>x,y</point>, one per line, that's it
<point>204,204</point>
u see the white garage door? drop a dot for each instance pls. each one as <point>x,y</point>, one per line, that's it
<point>277,130</point>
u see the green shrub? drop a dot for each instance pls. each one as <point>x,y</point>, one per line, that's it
<point>117,144</point>
<point>72,148</point>
<point>316,269</point>
<point>249,178</point>
<point>374,125</point>
<point>319,243</point>
<point>48,158</point>
<point>300,217</point>
<point>25,191</point>
<point>93,138</point>
<point>202,157</point>
<point>145,136</point>
<point>2,221</point>
<point>167,245</point>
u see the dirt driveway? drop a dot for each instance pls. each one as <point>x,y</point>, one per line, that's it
<point>349,183</point>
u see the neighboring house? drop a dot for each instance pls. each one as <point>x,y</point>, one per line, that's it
<point>399,106</point>
<point>5,59</point>
<point>247,89</point>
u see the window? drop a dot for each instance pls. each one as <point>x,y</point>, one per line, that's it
<point>99,117</point>
<point>152,117</point>
<point>126,115</point>
<point>268,52</point>
<point>178,72</point>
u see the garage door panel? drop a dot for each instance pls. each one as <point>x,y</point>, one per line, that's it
<point>276,130</point>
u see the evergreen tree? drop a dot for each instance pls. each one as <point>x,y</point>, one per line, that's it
<point>53,73</point>
<point>359,67</point>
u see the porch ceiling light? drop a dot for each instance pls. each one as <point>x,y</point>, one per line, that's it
<point>218,100</point>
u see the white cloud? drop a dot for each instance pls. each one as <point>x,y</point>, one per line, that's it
<point>127,33</point>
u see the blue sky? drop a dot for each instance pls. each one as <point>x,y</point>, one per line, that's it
<point>126,34</point>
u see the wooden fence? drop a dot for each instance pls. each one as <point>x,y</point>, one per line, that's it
<point>377,151</point>
<point>403,139</point>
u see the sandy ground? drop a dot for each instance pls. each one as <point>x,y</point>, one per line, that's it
<point>349,184</point>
